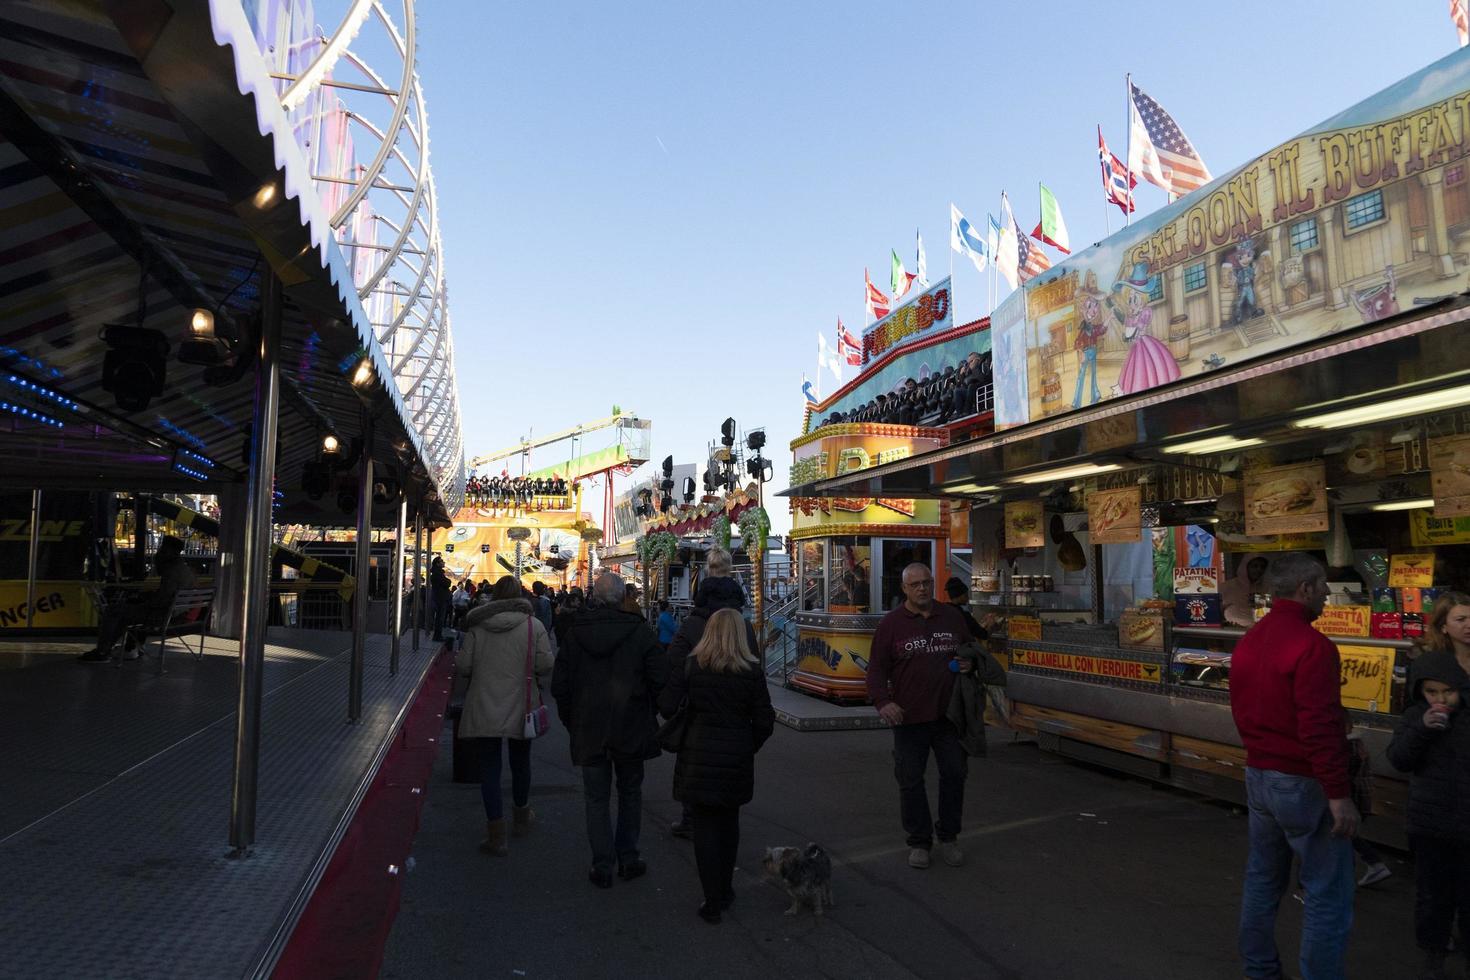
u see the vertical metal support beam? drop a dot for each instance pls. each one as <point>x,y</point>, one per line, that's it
<point>400,546</point>
<point>33,557</point>
<point>140,536</point>
<point>364,573</point>
<point>229,614</point>
<point>255,567</point>
<point>418,573</point>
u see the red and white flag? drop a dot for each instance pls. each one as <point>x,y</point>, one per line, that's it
<point>847,345</point>
<point>1118,183</point>
<point>1461,16</point>
<point>1158,150</point>
<point>877,303</point>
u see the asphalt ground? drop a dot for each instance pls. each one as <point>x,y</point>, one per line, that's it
<point>1071,872</point>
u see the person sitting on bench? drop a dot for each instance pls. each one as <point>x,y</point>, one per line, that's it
<point>147,608</point>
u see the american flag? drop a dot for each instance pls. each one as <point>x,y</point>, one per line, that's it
<point>1461,17</point>
<point>1030,259</point>
<point>1118,183</point>
<point>1165,155</point>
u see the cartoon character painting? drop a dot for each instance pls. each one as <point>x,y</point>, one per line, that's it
<point>1379,301</point>
<point>1241,264</point>
<point>1149,362</point>
<point>1089,333</point>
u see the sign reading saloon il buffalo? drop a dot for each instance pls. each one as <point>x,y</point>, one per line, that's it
<point>1348,223</point>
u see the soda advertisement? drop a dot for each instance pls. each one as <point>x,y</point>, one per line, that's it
<point>1353,221</point>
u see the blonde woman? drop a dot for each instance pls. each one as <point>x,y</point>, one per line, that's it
<point>730,718</point>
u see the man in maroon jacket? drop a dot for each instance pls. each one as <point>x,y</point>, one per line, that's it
<point>911,675</point>
<point>1284,694</point>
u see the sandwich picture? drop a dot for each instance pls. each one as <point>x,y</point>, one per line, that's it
<point>1139,631</point>
<point>1287,495</point>
<point>1024,522</point>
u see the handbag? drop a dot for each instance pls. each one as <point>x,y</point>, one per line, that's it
<point>672,733</point>
<point>538,719</point>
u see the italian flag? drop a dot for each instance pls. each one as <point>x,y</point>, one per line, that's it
<point>1052,229</point>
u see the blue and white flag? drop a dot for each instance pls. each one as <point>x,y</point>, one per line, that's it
<point>806,389</point>
<point>922,262</point>
<point>964,239</point>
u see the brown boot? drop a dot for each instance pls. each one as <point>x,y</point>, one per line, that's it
<point>494,842</point>
<point>521,818</point>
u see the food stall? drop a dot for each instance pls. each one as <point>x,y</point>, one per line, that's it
<point>925,380</point>
<point>1281,367</point>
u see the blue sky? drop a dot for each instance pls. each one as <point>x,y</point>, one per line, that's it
<point>660,205</point>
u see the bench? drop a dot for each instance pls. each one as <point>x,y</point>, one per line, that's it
<point>189,614</point>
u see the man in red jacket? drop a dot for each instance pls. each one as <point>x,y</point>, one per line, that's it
<point>911,675</point>
<point>1285,697</point>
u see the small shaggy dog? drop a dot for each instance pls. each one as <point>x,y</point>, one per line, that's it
<point>805,873</point>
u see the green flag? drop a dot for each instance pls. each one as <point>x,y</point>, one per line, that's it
<point>899,278</point>
<point>1052,229</point>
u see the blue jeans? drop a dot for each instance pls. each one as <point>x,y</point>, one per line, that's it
<point>1289,815</point>
<point>597,782</point>
<point>519,750</point>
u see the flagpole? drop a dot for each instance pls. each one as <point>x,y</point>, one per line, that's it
<point>1128,160</point>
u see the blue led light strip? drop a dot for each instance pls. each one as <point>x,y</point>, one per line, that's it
<point>32,414</point>
<point>190,471</point>
<point>42,391</point>
<point>203,460</point>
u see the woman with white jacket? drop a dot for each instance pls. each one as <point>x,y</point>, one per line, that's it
<point>500,637</point>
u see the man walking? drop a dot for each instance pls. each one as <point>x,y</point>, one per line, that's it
<point>910,680</point>
<point>606,683</point>
<point>1285,697</point>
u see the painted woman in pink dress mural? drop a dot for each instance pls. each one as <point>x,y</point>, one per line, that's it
<point>1149,362</point>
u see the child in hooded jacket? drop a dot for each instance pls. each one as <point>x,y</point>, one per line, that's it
<point>1432,744</point>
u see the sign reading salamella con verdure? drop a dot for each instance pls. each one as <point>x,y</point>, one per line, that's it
<point>1286,499</point>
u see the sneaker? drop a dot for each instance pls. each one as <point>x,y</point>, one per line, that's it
<point>709,913</point>
<point>681,829</point>
<point>1300,896</point>
<point>919,858</point>
<point>1374,874</point>
<point>950,853</point>
<point>600,877</point>
<point>131,653</point>
<point>95,657</point>
<point>635,868</point>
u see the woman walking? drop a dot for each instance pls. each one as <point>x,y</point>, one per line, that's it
<point>729,718</point>
<point>506,656</point>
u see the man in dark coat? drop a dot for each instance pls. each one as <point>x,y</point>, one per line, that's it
<point>718,591</point>
<point>606,682</point>
<point>439,586</point>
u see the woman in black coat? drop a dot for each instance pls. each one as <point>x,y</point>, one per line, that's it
<point>729,718</point>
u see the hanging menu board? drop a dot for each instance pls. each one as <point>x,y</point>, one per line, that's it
<point>1449,475</point>
<point>1115,516</point>
<point>1023,524</point>
<point>1286,499</point>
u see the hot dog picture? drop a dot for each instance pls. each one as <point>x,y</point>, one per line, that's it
<point>1285,496</point>
<point>1113,515</point>
<point>1140,630</point>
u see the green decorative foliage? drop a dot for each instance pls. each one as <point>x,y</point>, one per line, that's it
<point>755,527</point>
<point>722,532</point>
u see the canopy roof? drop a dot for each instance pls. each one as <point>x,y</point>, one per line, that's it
<point>148,170</point>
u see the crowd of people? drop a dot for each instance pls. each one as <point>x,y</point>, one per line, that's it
<point>1307,780</point>
<point>511,491</point>
<point>945,396</point>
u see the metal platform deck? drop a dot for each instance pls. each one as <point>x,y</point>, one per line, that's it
<point>114,812</point>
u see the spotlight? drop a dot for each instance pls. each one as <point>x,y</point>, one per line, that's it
<point>134,365</point>
<point>709,481</point>
<point>755,440</point>
<point>264,196</point>
<point>362,375</point>
<point>201,324</point>
<point>666,504</point>
<point>727,432</point>
<point>668,467</point>
<point>316,479</point>
<point>688,489</point>
<point>330,445</point>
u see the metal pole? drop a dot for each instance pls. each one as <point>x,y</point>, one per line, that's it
<point>255,563</point>
<point>418,573</point>
<point>34,556</point>
<point>140,536</point>
<point>364,573</point>
<point>397,592</point>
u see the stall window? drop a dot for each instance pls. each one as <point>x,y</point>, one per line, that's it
<point>896,555</point>
<point>814,575</point>
<point>1364,209</point>
<point>849,574</point>
<point>1156,289</point>
<point>1304,236</point>
<point>1454,176</point>
<point>1195,278</point>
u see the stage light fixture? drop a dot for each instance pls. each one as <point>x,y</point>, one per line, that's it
<point>688,489</point>
<point>134,367</point>
<point>668,467</point>
<point>331,446</point>
<point>362,374</point>
<point>316,479</point>
<point>727,432</point>
<point>755,440</point>
<point>264,196</point>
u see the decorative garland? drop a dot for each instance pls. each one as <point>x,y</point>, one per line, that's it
<point>722,532</point>
<point>755,527</point>
<point>661,546</point>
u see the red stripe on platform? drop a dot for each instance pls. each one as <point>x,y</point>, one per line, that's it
<point>344,929</point>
